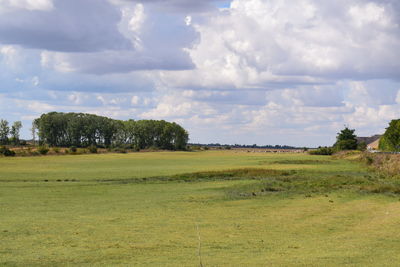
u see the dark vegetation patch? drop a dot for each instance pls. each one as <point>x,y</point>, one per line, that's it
<point>233,174</point>
<point>309,184</point>
<point>301,161</point>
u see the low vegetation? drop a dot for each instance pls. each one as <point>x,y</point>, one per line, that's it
<point>248,209</point>
<point>385,164</point>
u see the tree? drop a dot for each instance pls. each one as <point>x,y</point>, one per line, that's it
<point>346,140</point>
<point>4,132</point>
<point>15,129</point>
<point>33,131</point>
<point>390,140</point>
<point>81,130</point>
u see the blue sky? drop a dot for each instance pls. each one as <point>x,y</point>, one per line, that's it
<point>246,71</point>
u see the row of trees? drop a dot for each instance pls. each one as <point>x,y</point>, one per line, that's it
<point>82,130</point>
<point>9,135</point>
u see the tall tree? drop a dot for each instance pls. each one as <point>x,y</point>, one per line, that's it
<point>14,132</point>
<point>4,132</point>
<point>390,140</point>
<point>80,129</point>
<point>346,140</point>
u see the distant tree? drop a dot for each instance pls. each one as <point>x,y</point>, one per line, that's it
<point>346,140</point>
<point>14,132</point>
<point>4,132</point>
<point>83,130</point>
<point>390,140</point>
<point>33,131</point>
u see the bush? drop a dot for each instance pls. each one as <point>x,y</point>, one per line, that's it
<point>43,150</point>
<point>346,145</point>
<point>73,149</point>
<point>92,149</point>
<point>195,147</point>
<point>56,150</point>
<point>6,152</point>
<point>322,151</point>
<point>80,151</point>
<point>120,150</point>
<point>362,146</point>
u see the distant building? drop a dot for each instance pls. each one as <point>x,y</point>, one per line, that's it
<point>372,141</point>
<point>374,145</point>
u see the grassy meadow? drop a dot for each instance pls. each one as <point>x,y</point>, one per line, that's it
<point>165,208</point>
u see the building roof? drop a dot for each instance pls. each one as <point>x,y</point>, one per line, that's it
<point>369,140</point>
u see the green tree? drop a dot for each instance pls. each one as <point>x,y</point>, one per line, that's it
<point>390,140</point>
<point>15,129</point>
<point>346,140</point>
<point>4,132</point>
<point>81,130</point>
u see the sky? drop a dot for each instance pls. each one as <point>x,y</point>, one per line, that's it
<point>241,71</point>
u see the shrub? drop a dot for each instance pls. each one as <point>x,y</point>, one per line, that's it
<point>92,149</point>
<point>43,150</point>
<point>73,149</point>
<point>81,151</point>
<point>56,150</point>
<point>322,151</point>
<point>6,152</point>
<point>362,146</point>
<point>120,150</point>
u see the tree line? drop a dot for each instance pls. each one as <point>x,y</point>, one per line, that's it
<point>9,135</point>
<point>83,130</point>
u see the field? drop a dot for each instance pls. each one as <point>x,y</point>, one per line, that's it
<point>223,208</point>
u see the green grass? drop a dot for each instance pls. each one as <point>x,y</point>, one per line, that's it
<point>139,165</point>
<point>305,211</point>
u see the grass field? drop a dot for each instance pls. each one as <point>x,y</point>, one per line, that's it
<point>249,209</point>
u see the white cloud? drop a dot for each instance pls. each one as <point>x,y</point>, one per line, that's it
<point>43,5</point>
<point>257,43</point>
<point>369,13</point>
<point>70,26</point>
<point>398,97</point>
<point>262,71</point>
<point>134,100</point>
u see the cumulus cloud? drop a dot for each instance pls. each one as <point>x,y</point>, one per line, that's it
<point>70,26</point>
<point>8,5</point>
<point>260,71</point>
<point>256,43</point>
<point>158,40</point>
<point>180,6</point>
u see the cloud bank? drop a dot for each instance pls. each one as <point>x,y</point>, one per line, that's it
<point>248,71</point>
